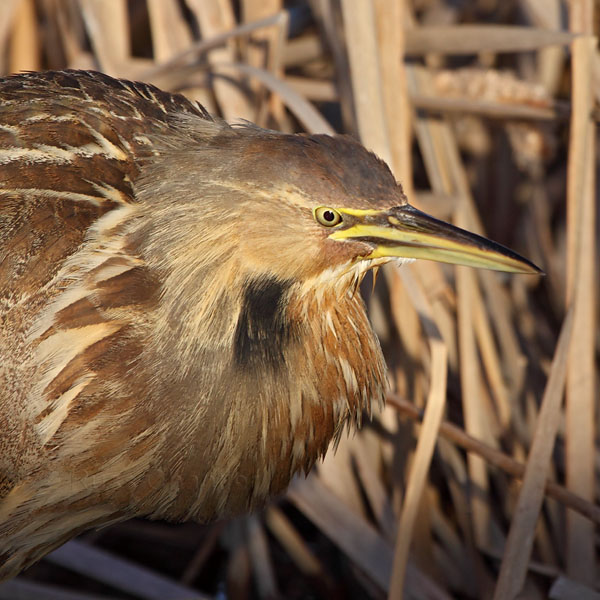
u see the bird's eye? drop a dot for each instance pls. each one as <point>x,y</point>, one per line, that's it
<point>327,216</point>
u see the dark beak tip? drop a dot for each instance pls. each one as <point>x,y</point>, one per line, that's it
<point>534,269</point>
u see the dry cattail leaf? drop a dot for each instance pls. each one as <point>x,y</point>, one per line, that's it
<point>530,141</point>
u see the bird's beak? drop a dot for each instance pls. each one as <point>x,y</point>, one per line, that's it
<point>406,232</point>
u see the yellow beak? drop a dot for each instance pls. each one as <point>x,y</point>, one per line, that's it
<point>406,232</point>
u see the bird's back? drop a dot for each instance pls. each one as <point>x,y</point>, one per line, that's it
<point>71,146</point>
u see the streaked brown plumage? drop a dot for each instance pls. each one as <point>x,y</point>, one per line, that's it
<point>180,329</point>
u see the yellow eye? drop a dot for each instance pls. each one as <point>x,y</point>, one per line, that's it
<point>329,217</point>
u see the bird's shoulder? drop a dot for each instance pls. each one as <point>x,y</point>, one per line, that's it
<point>71,148</point>
<point>81,134</point>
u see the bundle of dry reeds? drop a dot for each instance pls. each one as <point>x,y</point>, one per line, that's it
<point>480,478</point>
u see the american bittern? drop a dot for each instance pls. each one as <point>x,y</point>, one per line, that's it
<point>180,328</point>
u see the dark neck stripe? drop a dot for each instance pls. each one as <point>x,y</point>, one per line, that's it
<point>263,330</point>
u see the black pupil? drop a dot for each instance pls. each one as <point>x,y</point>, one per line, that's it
<point>329,216</point>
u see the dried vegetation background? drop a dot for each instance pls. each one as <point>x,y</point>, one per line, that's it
<point>480,478</point>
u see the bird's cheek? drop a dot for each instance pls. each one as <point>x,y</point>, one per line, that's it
<point>333,253</point>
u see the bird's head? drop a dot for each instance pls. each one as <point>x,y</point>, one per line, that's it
<point>305,207</point>
<point>314,212</point>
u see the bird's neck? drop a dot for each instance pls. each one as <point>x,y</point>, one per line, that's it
<point>300,368</point>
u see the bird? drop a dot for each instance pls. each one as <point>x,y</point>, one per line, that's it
<point>181,331</point>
